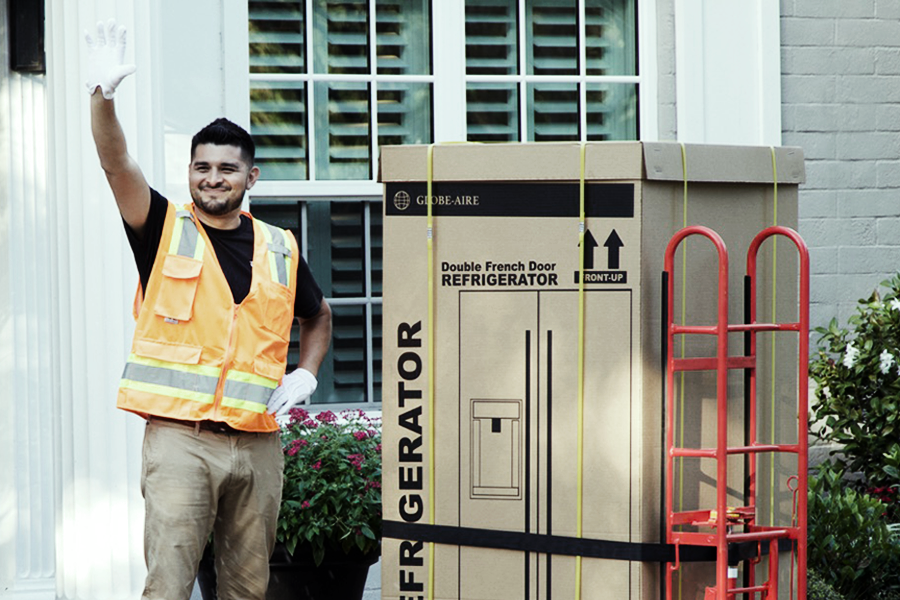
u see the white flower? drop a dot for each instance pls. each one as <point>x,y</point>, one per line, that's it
<point>894,304</point>
<point>826,392</point>
<point>850,355</point>
<point>885,361</point>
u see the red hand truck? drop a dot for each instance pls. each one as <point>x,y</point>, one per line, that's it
<point>716,527</point>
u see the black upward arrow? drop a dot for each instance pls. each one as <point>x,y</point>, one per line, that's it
<point>613,243</point>
<point>589,244</point>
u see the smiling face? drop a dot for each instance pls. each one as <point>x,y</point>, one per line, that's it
<point>219,177</point>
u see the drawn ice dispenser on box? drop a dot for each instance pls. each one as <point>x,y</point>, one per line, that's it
<point>518,426</point>
<point>496,455</point>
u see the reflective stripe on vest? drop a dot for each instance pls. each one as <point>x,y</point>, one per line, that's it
<point>279,254</point>
<point>191,382</point>
<point>247,391</point>
<point>186,239</point>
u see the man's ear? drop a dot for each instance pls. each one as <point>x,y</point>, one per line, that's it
<point>252,176</point>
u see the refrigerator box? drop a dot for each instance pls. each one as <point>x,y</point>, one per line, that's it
<point>522,380</point>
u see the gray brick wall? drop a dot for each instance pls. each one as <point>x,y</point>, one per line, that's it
<point>840,65</point>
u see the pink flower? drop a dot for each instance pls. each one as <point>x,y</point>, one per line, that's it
<point>318,465</point>
<point>327,417</point>
<point>356,460</point>
<point>360,435</point>
<point>310,423</point>
<point>304,504</point>
<point>298,415</point>
<point>295,447</point>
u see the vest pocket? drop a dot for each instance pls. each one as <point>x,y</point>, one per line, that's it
<point>269,369</point>
<point>278,309</point>
<point>180,277</point>
<point>167,351</point>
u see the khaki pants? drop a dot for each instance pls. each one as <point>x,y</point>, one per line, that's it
<point>196,481</point>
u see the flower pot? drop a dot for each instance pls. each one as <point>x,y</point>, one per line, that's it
<point>339,577</point>
<point>296,577</point>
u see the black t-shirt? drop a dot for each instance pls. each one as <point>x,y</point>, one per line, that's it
<point>234,250</point>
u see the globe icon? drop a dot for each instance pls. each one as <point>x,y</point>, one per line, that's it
<point>401,200</point>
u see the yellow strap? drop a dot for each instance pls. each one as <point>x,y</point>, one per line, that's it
<point>580,421</point>
<point>430,241</point>
<point>774,304</point>
<point>775,189</point>
<point>683,340</point>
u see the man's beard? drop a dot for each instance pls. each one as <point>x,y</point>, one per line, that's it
<point>216,208</point>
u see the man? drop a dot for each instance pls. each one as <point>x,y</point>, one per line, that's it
<point>219,292</point>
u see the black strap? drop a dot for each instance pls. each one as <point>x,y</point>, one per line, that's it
<point>544,544</point>
<point>566,546</point>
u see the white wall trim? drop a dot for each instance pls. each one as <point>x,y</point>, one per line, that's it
<point>648,69</point>
<point>728,71</point>
<point>33,589</point>
<point>448,28</point>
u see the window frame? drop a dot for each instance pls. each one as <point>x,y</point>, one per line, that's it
<point>448,80</point>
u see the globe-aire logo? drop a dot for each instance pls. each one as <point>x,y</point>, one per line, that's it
<point>401,200</point>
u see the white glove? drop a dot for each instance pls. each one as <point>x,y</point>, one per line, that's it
<point>106,58</point>
<point>295,388</point>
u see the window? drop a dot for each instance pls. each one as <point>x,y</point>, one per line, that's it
<point>325,92</point>
<point>333,80</point>
<point>560,71</point>
<point>342,242</point>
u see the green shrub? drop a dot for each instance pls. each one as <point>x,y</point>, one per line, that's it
<point>818,589</point>
<point>858,392</point>
<point>850,544</point>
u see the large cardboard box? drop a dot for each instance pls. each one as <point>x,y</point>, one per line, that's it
<point>484,320</point>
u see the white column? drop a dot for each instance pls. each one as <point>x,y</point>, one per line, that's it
<point>71,512</point>
<point>92,280</point>
<point>26,442</point>
<point>728,71</point>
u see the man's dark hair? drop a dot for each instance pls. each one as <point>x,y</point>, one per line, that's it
<point>223,132</point>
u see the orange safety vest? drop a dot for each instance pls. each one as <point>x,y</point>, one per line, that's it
<point>196,355</point>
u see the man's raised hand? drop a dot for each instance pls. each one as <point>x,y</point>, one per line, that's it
<point>106,59</point>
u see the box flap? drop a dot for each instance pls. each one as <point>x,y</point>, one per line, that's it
<point>723,164</point>
<point>604,161</point>
<point>547,161</point>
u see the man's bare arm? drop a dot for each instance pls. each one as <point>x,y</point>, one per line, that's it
<point>315,339</point>
<point>106,70</point>
<point>297,386</point>
<point>128,185</point>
